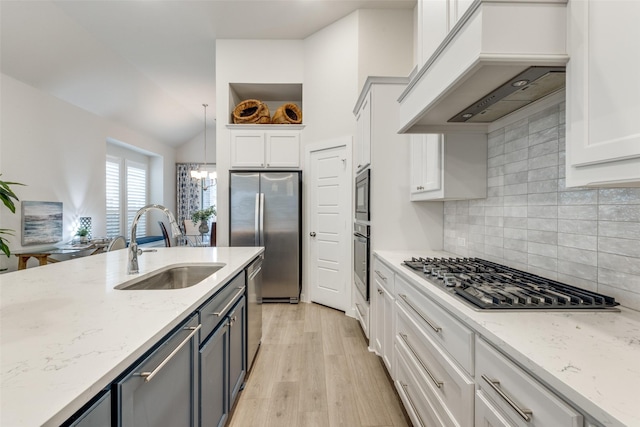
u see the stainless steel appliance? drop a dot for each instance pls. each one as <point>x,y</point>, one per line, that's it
<point>266,211</point>
<point>361,258</point>
<point>362,196</point>
<point>254,309</point>
<point>489,286</point>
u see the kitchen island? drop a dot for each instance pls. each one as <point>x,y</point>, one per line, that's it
<point>66,333</point>
<point>589,359</point>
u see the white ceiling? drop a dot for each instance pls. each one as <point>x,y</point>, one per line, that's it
<point>148,64</point>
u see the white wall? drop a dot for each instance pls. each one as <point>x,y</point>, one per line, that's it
<point>385,45</point>
<point>59,151</point>
<point>193,151</point>
<point>247,61</point>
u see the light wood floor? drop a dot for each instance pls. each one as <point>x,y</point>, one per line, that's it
<point>313,369</point>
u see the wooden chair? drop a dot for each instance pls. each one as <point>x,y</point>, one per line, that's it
<point>117,243</point>
<point>165,234</point>
<point>212,239</point>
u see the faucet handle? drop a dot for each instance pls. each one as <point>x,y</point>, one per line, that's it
<point>140,251</point>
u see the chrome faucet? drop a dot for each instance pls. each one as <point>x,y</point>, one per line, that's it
<point>133,245</point>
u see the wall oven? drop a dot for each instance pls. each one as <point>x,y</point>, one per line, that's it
<point>361,258</point>
<point>362,196</point>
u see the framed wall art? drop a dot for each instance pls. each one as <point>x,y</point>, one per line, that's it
<point>41,222</point>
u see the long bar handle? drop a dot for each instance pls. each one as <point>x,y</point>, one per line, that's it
<point>435,381</point>
<point>405,387</point>
<point>381,275</point>
<point>257,221</point>
<point>262,243</point>
<point>148,376</point>
<point>419,313</point>
<point>525,414</point>
<point>231,301</point>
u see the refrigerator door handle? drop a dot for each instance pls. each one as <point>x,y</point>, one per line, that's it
<point>257,221</point>
<point>262,219</point>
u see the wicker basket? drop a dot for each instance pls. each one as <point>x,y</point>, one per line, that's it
<point>251,111</point>
<point>287,114</point>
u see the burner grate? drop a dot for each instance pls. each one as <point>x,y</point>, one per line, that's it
<point>491,286</point>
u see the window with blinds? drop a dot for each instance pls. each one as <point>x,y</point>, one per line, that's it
<point>126,192</point>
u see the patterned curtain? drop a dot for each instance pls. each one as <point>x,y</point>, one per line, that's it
<point>188,191</point>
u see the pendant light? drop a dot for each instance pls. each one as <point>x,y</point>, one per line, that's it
<point>203,174</point>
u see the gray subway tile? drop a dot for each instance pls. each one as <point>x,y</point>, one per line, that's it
<point>588,212</point>
<point>542,211</point>
<point>495,171</point>
<point>589,285</point>
<point>495,241</point>
<point>516,130</point>
<point>496,161</point>
<point>495,150</point>
<point>493,231</point>
<point>516,259</point>
<point>624,247</point>
<point>543,199</point>
<point>543,174</point>
<point>543,136</point>
<point>515,245</point>
<point>627,298</point>
<point>494,211</point>
<point>545,119</point>
<point>630,230</point>
<point>476,238</point>
<point>516,144</point>
<point>515,233</point>
<point>543,161</point>
<point>623,264</point>
<point>494,221</point>
<point>581,256</point>
<point>548,186</point>
<point>495,138</point>
<point>476,219</point>
<point>544,262</point>
<point>516,156</point>
<point>542,224</point>
<point>619,213</point>
<point>476,210</point>
<point>514,189</point>
<point>619,196</point>
<point>579,241</point>
<point>515,167</point>
<point>515,211</point>
<point>582,197</point>
<point>543,149</point>
<point>548,237</point>
<point>495,181</point>
<point>543,249</point>
<point>476,229</point>
<point>495,191</point>
<point>515,178</point>
<point>516,200</point>
<point>574,226</point>
<point>494,201</point>
<point>576,269</point>
<point>513,222</point>
<point>619,279</point>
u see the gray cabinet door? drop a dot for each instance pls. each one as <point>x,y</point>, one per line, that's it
<point>167,397</point>
<point>214,383</point>
<point>237,348</point>
<point>98,415</point>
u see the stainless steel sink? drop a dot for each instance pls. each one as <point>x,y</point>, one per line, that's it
<point>178,277</point>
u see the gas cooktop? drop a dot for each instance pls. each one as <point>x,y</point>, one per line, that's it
<point>489,286</point>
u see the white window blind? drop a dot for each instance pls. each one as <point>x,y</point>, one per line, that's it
<point>113,197</point>
<point>136,195</point>
<point>126,192</point>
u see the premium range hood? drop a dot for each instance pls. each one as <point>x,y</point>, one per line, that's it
<point>500,57</point>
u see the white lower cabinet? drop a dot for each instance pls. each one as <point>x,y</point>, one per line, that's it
<point>382,294</point>
<point>447,374</point>
<point>362,312</point>
<point>517,394</point>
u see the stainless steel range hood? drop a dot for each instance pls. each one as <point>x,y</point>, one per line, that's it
<point>501,56</point>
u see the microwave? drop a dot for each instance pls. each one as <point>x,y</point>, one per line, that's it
<point>362,195</point>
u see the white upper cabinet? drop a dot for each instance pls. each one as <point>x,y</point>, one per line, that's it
<point>603,110</point>
<point>255,146</point>
<point>433,26</point>
<point>448,167</point>
<point>363,134</point>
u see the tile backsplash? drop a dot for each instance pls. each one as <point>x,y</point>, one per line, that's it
<point>586,237</point>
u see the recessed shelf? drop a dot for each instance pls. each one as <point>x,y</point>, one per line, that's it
<point>272,94</point>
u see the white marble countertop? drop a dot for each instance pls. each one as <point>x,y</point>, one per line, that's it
<point>66,333</point>
<point>591,358</point>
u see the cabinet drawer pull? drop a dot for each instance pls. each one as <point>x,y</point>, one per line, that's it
<point>437,383</point>
<point>419,313</point>
<point>525,414</point>
<point>405,387</point>
<point>148,376</point>
<point>359,311</point>
<point>380,291</point>
<point>226,307</point>
<point>381,276</point>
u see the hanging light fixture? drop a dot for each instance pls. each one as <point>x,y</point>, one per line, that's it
<point>202,175</point>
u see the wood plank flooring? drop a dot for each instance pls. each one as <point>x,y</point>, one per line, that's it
<point>314,370</point>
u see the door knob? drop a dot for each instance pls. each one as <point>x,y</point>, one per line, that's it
<point>312,234</point>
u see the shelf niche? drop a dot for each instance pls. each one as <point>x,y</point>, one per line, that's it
<point>272,94</point>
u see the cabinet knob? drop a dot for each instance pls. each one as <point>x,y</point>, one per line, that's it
<point>312,234</point>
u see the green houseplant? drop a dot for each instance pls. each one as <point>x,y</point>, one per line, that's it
<point>202,216</point>
<point>7,196</point>
<point>83,233</point>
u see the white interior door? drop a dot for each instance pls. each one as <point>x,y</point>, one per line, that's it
<point>330,226</point>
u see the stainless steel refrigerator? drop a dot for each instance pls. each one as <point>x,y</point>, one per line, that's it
<point>266,211</point>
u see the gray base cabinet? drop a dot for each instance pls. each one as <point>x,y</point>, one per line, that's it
<point>161,390</point>
<point>237,348</point>
<point>214,359</point>
<point>97,415</point>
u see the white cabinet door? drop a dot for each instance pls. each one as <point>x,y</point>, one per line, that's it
<point>457,8</point>
<point>487,415</point>
<point>282,150</point>
<point>260,148</point>
<point>603,130</point>
<point>433,27</point>
<point>426,163</point>
<point>363,134</point>
<point>247,149</point>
